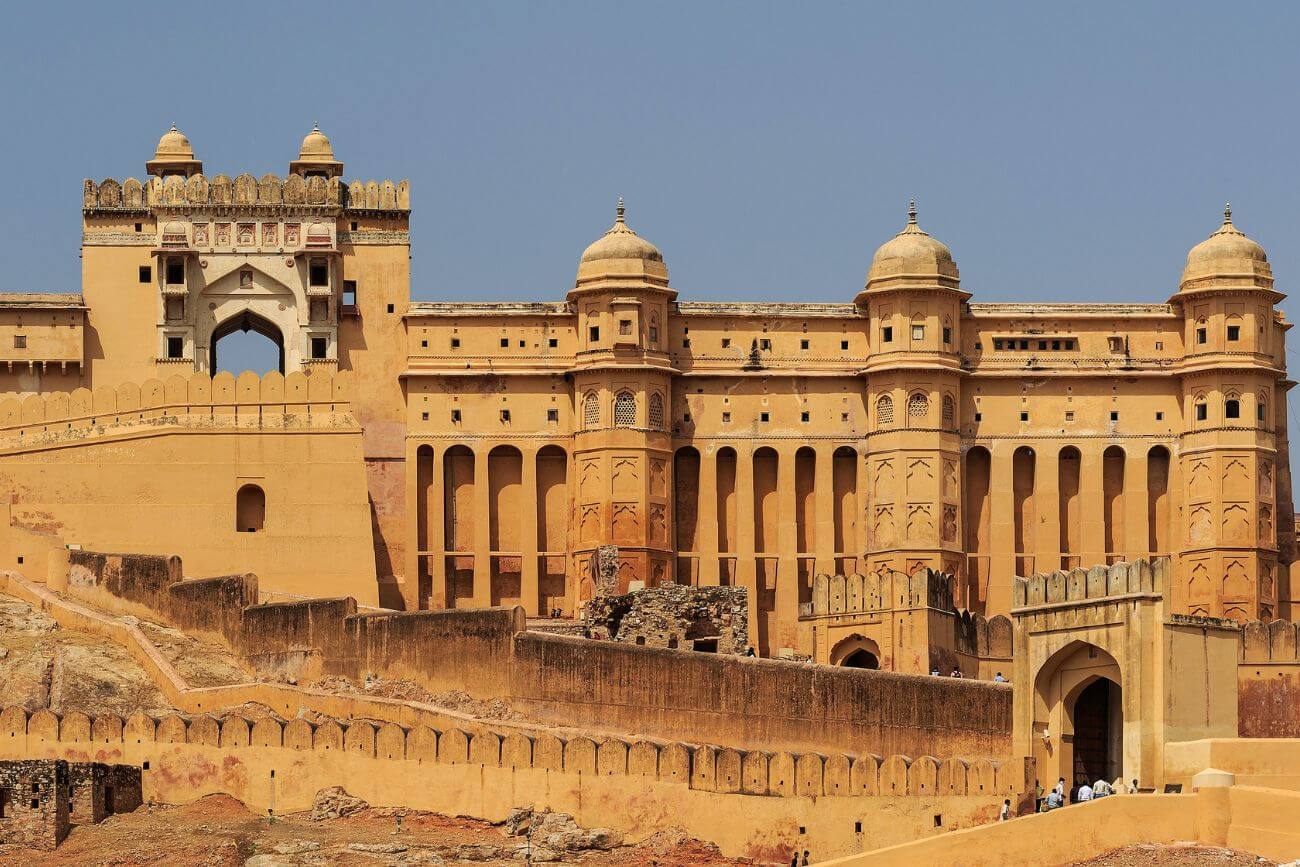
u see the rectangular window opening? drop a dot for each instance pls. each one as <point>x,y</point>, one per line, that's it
<point>918,332</point>
<point>593,334</point>
<point>1234,333</point>
<point>552,415</point>
<point>175,272</point>
<point>887,334</point>
<point>455,416</point>
<point>1024,416</point>
<point>318,273</point>
<point>350,292</point>
<point>318,345</point>
<point>175,347</point>
<point>146,274</point>
<point>20,341</point>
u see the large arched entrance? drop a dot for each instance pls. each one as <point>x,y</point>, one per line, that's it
<point>1079,716</point>
<point>856,652</point>
<point>237,353</point>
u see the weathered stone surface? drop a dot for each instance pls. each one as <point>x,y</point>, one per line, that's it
<point>674,615</point>
<point>335,803</point>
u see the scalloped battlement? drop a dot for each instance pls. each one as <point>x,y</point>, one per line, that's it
<point>249,400</point>
<point>244,190</point>
<point>1099,582</point>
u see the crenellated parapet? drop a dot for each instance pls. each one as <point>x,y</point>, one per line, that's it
<point>321,398</point>
<point>1269,641</point>
<point>881,591</point>
<point>220,191</point>
<point>1091,585</point>
<point>699,766</point>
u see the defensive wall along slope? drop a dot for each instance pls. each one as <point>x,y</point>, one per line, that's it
<point>223,471</point>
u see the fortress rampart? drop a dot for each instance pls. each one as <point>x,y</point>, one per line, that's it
<point>175,191</point>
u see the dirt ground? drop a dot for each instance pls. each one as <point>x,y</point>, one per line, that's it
<point>1149,855</point>
<point>218,832</point>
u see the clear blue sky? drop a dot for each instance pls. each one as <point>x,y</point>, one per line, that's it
<point>1063,153</point>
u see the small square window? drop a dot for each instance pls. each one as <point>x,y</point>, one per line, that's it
<point>352,226</point>
<point>1232,409</point>
<point>552,415</point>
<point>1160,416</point>
<point>947,335</point>
<point>979,416</point>
<point>1024,416</point>
<point>803,344</point>
<point>175,271</point>
<point>146,274</point>
<point>318,346</point>
<point>1069,415</point>
<point>978,345</point>
<point>997,344</point>
<point>804,416</point>
<point>686,343</point>
<point>390,308</point>
<point>726,343</point>
<point>1160,344</point>
<point>1202,412</point>
<point>1042,346</point>
<point>887,334</point>
<point>844,417</point>
<point>1114,415</point>
<point>319,273</point>
<point>764,344</point>
<point>523,343</point>
<point>553,342</point>
<point>844,344</point>
<point>455,416</point>
<point>726,418</point>
<point>505,416</point>
<point>918,332</point>
<point>1234,333</point>
<point>654,333</point>
<point>424,344</point>
<point>764,417</point>
<point>139,227</point>
<point>1024,344</point>
<point>1069,344</point>
<point>593,334</point>
<point>350,292</point>
<point>20,341</point>
<point>455,343</point>
<point>175,347</point>
<point>424,416</point>
<point>505,342</point>
<point>625,327</point>
<point>686,417</point>
<point>1259,412</point>
<point>1200,335</point>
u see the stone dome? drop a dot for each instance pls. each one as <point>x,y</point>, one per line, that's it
<point>1226,254</point>
<point>174,144</point>
<point>316,144</point>
<point>620,242</point>
<point>912,253</point>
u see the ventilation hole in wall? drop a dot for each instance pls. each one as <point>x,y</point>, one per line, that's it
<point>938,820</point>
<point>803,830</point>
<point>857,827</point>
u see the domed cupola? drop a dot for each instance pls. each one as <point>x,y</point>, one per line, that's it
<point>174,156</point>
<point>316,157</point>
<point>912,259</point>
<point>1227,259</point>
<point>621,256</point>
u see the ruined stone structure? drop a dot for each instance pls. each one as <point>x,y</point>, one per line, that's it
<point>708,619</point>
<point>40,799</point>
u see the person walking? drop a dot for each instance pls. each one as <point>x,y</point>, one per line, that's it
<point>998,678</point>
<point>1084,793</point>
<point>1005,812</point>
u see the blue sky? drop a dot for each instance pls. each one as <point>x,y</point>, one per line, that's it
<point>1063,152</point>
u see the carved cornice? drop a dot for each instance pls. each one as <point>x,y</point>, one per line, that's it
<point>367,239</point>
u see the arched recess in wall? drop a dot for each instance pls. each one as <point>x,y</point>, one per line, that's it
<point>505,519</point>
<point>590,411</point>
<point>250,509</point>
<point>918,409</point>
<point>726,510</point>
<point>686,498</point>
<point>1069,468</point>
<point>245,322</point>
<point>655,412</point>
<point>1081,685</point>
<point>625,409</point>
<point>979,467</point>
<point>856,652</point>
<point>1158,500</point>
<point>845,480</point>
<point>884,411</point>
<point>805,505</point>
<point>765,500</point>
<point>552,526</point>
<point>458,523</point>
<point>1112,505</point>
<point>1023,514</point>
<point>423,484</point>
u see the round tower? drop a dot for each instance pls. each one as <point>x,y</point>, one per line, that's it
<point>913,302</point>
<point>622,380</point>
<point>1233,396</point>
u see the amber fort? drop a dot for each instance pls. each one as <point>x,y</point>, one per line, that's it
<point>844,577</point>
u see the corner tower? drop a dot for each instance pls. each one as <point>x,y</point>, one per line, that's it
<point>622,380</point>
<point>913,303</point>
<point>1234,392</point>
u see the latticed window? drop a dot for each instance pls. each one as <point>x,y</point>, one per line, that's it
<point>591,411</point>
<point>948,412</point>
<point>625,409</point>
<point>885,410</point>
<point>918,405</point>
<point>656,411</point>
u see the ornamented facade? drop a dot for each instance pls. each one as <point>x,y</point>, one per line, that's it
<point>757,445</point>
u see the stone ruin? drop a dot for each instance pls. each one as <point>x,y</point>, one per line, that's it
<point>40,799</point>
<point>709,619</point>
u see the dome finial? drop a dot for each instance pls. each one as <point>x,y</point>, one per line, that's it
<point>174,126</point>
<point>315,127</point>
<point>619,217</point>
<point>1227,214</point>
<point>911,212</point>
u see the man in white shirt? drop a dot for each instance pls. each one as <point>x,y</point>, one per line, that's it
<point>1084,793</point>
<point>1101,789</point>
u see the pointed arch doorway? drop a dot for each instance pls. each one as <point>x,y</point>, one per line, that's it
<point>245,322</point>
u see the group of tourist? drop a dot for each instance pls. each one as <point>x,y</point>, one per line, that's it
<point>1059,797</point>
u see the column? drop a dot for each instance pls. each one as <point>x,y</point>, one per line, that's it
<point>1092,503</point>
<point>824,510</point>
<point>1002,538</point>
<point>787,573</point>
<point>482,536</point>
<point>746,575</point>
<point>411,558</point>
<point>436,500</point>
<point>706,511</point>
<point>1136,533</point>
<point>1045,536</point>
<point>528,590</point>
